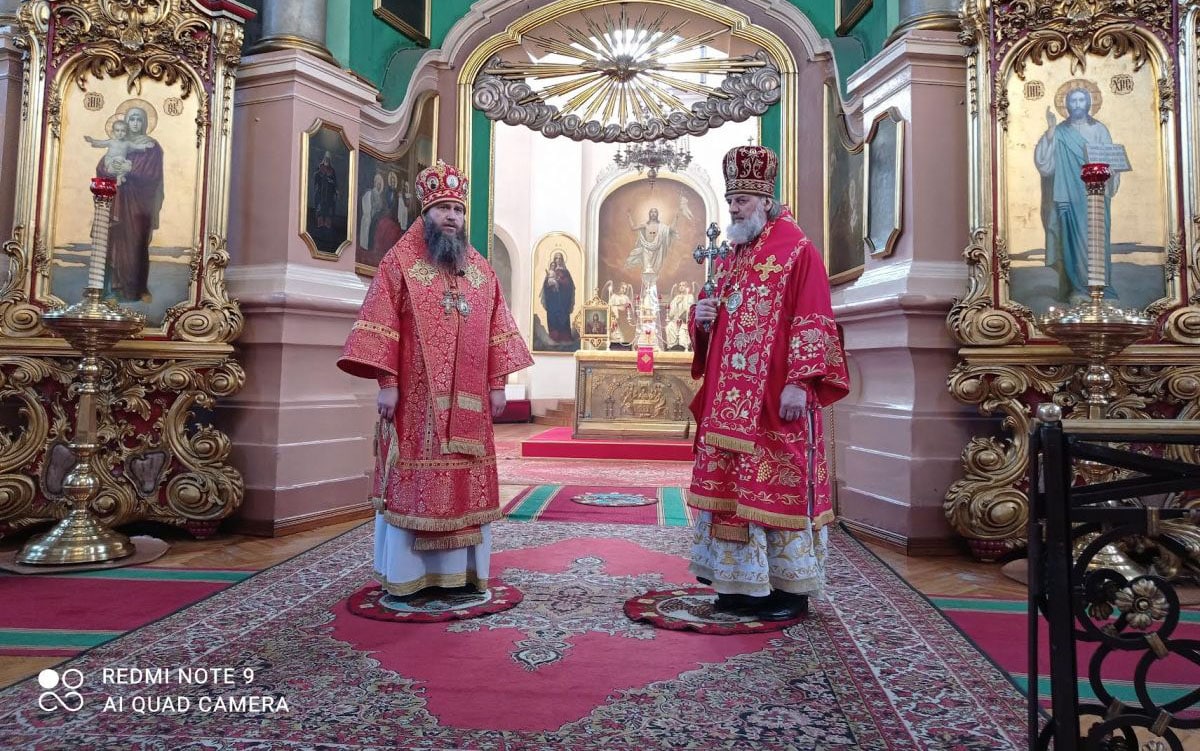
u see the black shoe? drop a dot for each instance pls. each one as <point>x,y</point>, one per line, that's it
<point>738,604</point>
<point>705,582</point>
<point>782,606</point>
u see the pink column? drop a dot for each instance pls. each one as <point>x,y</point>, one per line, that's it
<point>899,435</point>
<point>300,427</point>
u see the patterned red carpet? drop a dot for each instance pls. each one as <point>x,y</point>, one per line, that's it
<point>875,666</point>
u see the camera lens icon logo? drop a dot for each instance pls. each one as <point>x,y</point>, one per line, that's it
<point>60,690</point>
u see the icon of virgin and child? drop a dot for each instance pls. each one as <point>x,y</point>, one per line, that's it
<point>135,161</point>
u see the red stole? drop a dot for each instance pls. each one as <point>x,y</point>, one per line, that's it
<point>754,279</point>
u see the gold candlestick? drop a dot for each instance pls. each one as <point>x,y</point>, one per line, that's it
<point>1095,329</point>
<point>92,326</point>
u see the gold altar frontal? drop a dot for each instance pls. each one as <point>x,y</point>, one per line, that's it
<point>613,399</point>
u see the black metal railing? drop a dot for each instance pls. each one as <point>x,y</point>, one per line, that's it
<point>1075,533</point>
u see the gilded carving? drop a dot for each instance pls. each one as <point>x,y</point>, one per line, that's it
<point>1076,27</point>
<point>503,92</point>
<point>18,318</point>
<point>612,396</point>
<point>974,320</point>
<point>1008,366</point>
<point>216,318</point>
<point>175,61</point>
<point>173,470</point>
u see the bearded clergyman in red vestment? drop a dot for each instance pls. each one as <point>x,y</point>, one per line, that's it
<point>768,349</point>
<point>437,335</point>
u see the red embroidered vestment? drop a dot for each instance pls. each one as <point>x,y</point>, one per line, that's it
<point>775,327</point>
<point>444,341</point>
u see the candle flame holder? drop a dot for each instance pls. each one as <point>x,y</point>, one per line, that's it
<point>1096,330</point>
<point>92,326</point>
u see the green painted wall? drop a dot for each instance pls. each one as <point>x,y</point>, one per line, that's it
<point>384,56</point>
<point>387,58</point>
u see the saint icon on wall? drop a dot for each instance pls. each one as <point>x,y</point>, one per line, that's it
<point>135,160</point>
<point>557,294</point>
<point>1060,155</point>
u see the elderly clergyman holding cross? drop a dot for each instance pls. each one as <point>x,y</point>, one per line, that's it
<point>769,352</point>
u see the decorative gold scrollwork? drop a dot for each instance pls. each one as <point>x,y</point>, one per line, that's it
<point>988,502</point>
<point>1053,28</point>
<point>17,316</point>
<point>134,462</point>
<point>216,318</point>
<point>974,320</point>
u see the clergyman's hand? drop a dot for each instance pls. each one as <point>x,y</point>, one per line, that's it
<point>792,402</point>
<point>498,402</point>
<point>706,310</point>
<point>386,402</point>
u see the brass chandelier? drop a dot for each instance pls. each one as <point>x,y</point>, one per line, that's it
<point>651,156</point>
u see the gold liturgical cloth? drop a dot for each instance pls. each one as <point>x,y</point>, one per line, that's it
<point>613,399</point>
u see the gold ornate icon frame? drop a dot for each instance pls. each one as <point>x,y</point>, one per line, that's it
<point>351,182</point>
<point>158,387</point>
<point>1006,365</point>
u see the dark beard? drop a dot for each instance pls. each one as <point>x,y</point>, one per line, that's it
<point>447,251</point>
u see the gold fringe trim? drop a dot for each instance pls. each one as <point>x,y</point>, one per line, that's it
<point>783,521</point>
<point>463,446</point>
<point>400,589</point>
<point>378,502</point>
<point>479,463</point>
<point>448,542</point>
<point>729,443</point>
<point>425,524</point>
<point>731,532</point>
<point>504,336</point>
<point>469,401</point>
<point>708,503</point>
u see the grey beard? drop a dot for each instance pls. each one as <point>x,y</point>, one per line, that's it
<point>740,233</point>
<point>448,251</point>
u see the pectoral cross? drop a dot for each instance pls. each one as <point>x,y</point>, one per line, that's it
<point>767,268</point>
<point>454,301</point>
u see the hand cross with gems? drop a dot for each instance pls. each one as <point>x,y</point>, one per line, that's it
<point>710,254</point>
<point>702,254</point>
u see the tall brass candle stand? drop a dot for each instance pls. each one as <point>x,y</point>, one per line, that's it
<point>1097,331</point>
<point>92,326</point>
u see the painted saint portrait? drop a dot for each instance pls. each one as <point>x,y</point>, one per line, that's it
<point>557,293</point>
<point>844,207</point>
<point>1058,121</point>
<point>326,190</point>
<point>147,146</point>
<point>386,201</point>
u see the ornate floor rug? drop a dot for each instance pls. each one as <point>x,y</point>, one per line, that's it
<point>60,615</point>
<point>278,662</point>
<point>998,628</point>
<point>691,609</point>
<point>373,602</point>
<point>518,471</point>
<point>601,505</point>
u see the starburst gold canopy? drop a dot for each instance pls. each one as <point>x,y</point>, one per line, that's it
<point>635,75</point>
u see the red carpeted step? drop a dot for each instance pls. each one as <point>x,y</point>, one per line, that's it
<point>557,443</point>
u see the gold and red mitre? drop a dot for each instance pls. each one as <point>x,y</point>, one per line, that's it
<point>440,183</point>
<point>751,169</point>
